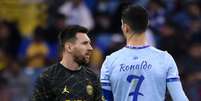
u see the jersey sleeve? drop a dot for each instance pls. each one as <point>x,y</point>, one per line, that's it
<point>172,73</point>
<point>176,91</point>
<point>105,80</point>
<point>173,81</point>
<point>41,91</point>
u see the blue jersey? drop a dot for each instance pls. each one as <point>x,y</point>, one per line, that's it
<point>138,74</point>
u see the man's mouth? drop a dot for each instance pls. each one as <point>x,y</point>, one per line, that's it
<point>88,53</point>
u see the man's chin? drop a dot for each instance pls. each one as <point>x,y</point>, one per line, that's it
<point>84,63</point>
<point>87,60</point>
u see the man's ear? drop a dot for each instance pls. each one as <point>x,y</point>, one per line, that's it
<point>126,28</point>
<point>68,47</point>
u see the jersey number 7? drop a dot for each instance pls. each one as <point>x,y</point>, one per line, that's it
<point>136,82</point>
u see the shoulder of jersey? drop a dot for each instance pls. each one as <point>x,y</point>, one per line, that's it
<point>49,70</point>
<point>155,50</point>
<point>93,75</point>
<point>90,72</point>
<point>116,53</point>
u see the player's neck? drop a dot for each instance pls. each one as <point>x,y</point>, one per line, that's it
<point>136,40</point>
<point>68,62</point>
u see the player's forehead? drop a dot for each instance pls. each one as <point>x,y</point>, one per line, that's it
<point>82,37</point>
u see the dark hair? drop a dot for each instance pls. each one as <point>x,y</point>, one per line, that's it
<point>136,17</point>
<point>69,34</point>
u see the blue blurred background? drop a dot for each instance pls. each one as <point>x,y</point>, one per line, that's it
<point>29,29</point>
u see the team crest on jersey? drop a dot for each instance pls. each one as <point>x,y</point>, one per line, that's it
<point>90,89</point>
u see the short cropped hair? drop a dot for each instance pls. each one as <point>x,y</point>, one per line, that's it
<point>69,34</point>
<point>136,17</point>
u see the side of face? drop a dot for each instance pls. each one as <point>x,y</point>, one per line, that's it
<point>82,49</point>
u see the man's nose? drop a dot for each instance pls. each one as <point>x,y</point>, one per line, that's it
<point>90,47</point>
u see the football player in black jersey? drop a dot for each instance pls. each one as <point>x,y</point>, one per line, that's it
<point>70,79</point>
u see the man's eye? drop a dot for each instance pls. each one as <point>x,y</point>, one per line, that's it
<point>85,43</point>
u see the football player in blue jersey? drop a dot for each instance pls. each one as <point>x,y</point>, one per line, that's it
<point>138,71</point>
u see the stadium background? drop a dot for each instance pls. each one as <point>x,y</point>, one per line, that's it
<point>29,29</point>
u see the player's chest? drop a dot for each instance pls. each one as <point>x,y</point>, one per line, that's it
<point>73,88</point>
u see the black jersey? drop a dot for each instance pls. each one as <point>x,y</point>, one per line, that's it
<point>58,83</point>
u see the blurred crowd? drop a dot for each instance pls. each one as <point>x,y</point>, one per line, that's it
<point>29,29</point>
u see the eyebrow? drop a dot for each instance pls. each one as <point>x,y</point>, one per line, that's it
<point>87,41</point>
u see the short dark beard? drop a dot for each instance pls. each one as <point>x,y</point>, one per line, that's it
<point>81,61</point>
